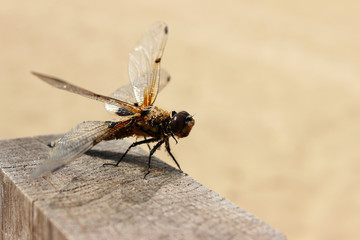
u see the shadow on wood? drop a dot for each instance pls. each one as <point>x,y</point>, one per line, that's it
<point>88,201</point>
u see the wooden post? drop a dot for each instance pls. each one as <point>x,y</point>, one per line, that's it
<point>85,200</point>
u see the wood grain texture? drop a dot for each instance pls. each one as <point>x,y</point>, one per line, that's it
<point>88,201</point>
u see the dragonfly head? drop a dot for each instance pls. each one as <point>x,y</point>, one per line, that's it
<point>181,123</point>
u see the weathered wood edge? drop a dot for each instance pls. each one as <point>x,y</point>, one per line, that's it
<point>88,201</point>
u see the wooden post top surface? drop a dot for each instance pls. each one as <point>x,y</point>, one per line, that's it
<point>85,200</point>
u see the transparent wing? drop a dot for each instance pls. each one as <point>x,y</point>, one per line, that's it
<point>126,94</point>
<point>144,64</point>
<point>76,142</point>
<point>164,79</point>
<point>61,84</point>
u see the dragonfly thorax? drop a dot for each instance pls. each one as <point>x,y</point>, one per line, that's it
<point>158,123</point>
<point>152,122</point>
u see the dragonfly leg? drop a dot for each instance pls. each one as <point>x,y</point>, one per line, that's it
<point>151,153</point>
<point>148,144</point>
<point>167,145</point>
<point>131,146</point>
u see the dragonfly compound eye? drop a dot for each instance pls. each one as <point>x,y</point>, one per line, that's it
<point>181,124</point>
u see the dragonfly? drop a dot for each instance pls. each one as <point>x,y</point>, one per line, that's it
<point>133,106</point>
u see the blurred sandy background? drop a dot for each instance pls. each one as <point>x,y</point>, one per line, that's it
<point>274,86</point>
